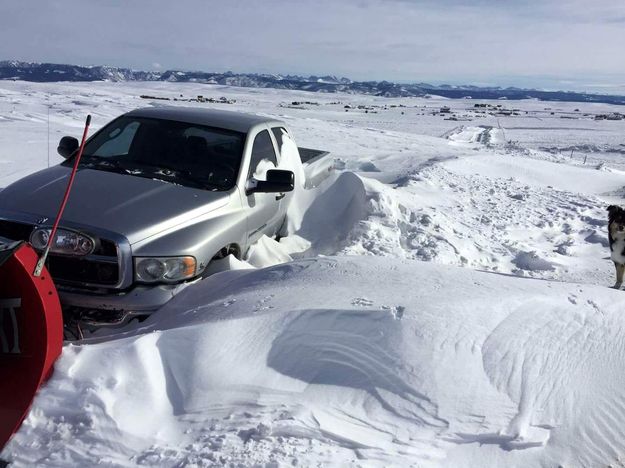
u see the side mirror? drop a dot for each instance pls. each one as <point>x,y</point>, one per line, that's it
<point>278,181</point>
<point>67,146</point>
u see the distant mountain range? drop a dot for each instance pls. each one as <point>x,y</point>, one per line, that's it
<point>52,72</point>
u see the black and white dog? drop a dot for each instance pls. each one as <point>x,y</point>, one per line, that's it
<point>616,236</point>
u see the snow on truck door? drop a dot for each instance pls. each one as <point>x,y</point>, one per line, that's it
<point>263,209</point>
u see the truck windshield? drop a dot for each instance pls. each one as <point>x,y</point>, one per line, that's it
<point>177,152</point>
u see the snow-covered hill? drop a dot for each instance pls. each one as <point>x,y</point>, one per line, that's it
<point>462,316</point>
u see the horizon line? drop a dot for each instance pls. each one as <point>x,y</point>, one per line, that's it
<point>433,83</point>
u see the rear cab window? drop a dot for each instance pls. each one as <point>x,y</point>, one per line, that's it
<point>278,133</point>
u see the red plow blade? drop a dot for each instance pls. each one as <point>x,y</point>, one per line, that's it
<point>31,333</point>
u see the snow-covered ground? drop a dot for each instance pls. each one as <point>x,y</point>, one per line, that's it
<point>448,302</point>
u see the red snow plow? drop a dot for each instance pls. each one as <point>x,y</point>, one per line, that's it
<point>31,321</point>
<point>31,333</point>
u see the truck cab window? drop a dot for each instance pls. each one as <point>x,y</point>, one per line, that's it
<point>263,155</point>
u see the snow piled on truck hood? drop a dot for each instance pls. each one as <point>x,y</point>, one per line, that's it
<point>337,359</point>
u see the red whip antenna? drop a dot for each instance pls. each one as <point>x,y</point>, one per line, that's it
<point>42,260</point>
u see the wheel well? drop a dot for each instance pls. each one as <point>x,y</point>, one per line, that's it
<point>230,249</point>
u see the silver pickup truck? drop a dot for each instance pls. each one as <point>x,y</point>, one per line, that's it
<point>159,194</point>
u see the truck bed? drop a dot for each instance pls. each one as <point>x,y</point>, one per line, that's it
<point>308,155</point>
<point>318,165</point>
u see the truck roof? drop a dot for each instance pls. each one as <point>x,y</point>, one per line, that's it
<point>236,121</point>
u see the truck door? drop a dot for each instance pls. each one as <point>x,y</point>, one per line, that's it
<point>263,209</point>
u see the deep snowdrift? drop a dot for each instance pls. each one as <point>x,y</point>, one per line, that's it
<point>347,360</point>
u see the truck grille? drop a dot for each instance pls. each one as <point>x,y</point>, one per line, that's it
<point>15,231</point>
<point>80,270</point>
<point>99,268</point>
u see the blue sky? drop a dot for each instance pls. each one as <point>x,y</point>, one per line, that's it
<point>568,44</point>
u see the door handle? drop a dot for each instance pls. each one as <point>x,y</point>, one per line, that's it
<point>281,196</point>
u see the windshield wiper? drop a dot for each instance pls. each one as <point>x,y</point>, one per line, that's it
<point>106,164</point>
<point>165,173</point>
<point>183,176</point>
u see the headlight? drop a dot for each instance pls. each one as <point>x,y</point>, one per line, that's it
<point>65,242</point>
<point>164,269</point>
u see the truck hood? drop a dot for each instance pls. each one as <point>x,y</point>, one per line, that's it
<point>134,207</point>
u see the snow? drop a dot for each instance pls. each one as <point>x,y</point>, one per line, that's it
<point>398,362</point>
<point>442,300</point>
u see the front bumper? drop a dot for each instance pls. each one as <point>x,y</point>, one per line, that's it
<point>140,300</point>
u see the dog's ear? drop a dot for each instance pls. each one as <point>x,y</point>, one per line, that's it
<point>613,210</point>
